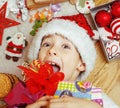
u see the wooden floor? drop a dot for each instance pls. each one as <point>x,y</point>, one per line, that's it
<point>106,75</point>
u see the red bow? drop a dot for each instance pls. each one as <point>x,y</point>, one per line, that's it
<point>41,77</point>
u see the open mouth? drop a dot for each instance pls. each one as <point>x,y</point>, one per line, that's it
<point>56,67</point>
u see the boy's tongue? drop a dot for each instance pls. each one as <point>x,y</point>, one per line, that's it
<point>55,68</point>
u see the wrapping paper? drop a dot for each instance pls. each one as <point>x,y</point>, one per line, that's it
<point>21,95</point>
<point>80,90</point>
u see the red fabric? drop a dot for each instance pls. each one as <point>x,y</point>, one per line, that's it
<point>81,21</point>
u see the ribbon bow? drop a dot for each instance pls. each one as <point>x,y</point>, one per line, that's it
<point>41,77</point>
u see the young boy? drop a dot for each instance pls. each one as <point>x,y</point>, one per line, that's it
<point>69,49</point>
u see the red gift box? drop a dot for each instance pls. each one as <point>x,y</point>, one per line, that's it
<point>21,95</point>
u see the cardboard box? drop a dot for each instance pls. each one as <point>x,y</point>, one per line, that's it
<point>104,44</point>
<point>33,4</point>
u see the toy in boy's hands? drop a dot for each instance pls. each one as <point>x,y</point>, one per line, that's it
<point>79,89</point>
<point>41,77</point>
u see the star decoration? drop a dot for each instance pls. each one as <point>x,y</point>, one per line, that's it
<point>5,22</point>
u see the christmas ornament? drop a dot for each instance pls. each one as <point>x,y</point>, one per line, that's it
<point>84,6</point>
<point>115,9</point>
<point>103,18</point>
<point>115,26</point>
<point>15,46</point>
<point>5,22</point>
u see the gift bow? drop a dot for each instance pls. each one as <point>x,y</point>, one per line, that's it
<point>41,77</point>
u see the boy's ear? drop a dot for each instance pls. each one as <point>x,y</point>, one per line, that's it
<point>81,67</point>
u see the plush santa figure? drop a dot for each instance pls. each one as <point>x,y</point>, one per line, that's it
<point>15,46</point>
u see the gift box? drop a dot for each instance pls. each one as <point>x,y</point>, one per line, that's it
<point>20,95</point>
<point>107,21</point>
<point>33,4</point>
<point>80,90</point>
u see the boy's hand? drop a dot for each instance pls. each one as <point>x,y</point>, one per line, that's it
<point>71,102</point>
<point>43,102</point>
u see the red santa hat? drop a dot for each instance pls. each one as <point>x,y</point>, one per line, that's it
<point>76,29</point>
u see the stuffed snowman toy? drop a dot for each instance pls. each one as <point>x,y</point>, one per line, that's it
<point>15,46</point>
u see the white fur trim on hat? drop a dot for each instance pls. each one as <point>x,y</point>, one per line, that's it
<point>76,34</point>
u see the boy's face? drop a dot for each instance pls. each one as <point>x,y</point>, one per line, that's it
<point>62,55</point>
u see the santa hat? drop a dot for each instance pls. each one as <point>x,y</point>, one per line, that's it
<point>73,32</point>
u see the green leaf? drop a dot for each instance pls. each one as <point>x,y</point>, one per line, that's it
<point>33,33</point>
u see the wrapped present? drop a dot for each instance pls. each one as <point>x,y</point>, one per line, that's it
<point>97,95</point>
<point>21,95</point>
<point>80,90</point>
<point>40,80</point>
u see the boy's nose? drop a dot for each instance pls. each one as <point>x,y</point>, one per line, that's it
<point>52,51</point>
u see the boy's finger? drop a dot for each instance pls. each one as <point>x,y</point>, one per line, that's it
<point>63,99</point>
<point>45,98</point>
<point>38,104</point>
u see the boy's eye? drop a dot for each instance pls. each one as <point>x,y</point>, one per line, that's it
<point>66,46</point>
<point>45,45</point>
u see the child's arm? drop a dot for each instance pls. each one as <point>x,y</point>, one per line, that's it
<point>71,102</point>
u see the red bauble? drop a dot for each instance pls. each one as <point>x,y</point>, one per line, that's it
<point>115,9</point>
<point>103,18</point>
